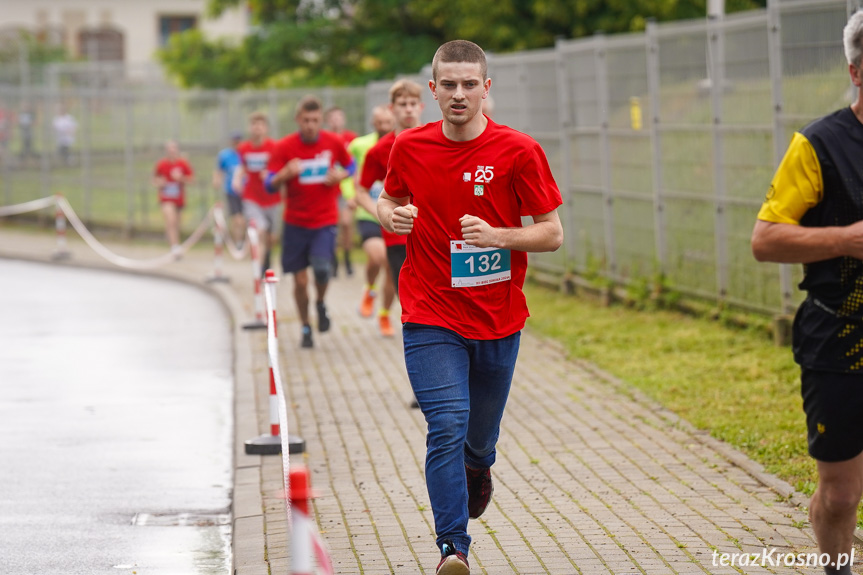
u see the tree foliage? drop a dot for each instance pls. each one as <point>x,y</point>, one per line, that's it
<point>338,42</point>
<point>25,45</point>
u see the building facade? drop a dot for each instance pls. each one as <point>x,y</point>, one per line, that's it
<point>128,31</point>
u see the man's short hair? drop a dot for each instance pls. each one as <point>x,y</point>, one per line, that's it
<point>258,117</point>
<point>460,51</point>
<point>405,88</point>
<point>852,38</point>
<point>332,109</point>
<point>308,104</point>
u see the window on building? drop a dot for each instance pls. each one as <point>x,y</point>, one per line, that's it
<point>172,24</point>
<point>101,44</point>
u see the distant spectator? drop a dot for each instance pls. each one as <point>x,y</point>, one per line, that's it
<point>227,163</point>
<point>65,128</point>
<point>170,177</point>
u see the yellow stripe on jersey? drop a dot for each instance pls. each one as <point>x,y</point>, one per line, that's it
<point>797,185</point>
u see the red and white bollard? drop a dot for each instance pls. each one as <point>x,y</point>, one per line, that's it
<point>218,248</point>
<point>272,444</point>
<point>62,251</point>
<point>260,322</point>
<point>306,542</point>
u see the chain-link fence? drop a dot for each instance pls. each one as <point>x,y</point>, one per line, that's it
<point>663,142</point>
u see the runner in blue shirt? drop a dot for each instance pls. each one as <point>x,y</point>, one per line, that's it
<point>226,164</point>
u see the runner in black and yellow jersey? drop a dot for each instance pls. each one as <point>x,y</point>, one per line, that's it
<point>813,215</point>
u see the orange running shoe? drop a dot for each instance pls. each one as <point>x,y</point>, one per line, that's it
<point>368,303</point>
<point>386,326</point>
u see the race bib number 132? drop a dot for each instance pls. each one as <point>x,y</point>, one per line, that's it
<point>473,266</point>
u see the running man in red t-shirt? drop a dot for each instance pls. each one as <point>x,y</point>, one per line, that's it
<point>458,189</point>
<point>259,206</point>
<point>311,163</point>
<point>406,106</point>
<point>170,177</point>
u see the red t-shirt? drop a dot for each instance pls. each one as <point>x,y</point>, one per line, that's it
<point>309,202</point>
<point>347,136</point>
<point>375,169</point>
<point>499,176</point>
<point>173,190</point>
<point>255,160</point>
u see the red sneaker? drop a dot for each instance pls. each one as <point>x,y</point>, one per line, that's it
<point>479,490</point>
<point>452,562</point>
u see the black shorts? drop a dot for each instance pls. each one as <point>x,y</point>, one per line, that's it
<point>396,257</point>
<point>235,204</point>
<point>301,245</point>
<point>369,229</point>
<point>833,403</point>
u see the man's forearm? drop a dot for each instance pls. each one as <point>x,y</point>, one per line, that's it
<point>364,199</point>
<point>795,244</point>
<point>538,237</point>
<point>279,178</point>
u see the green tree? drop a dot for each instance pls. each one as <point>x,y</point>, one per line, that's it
<point>338,42</point>
<point>13,47</point>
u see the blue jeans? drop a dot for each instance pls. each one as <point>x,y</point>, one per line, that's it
<point>461,386</point>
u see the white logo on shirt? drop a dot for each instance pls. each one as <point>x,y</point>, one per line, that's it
<point>314,171</point>
<point>257,161</point>
<point>466,176</point>
<point>484,174</point>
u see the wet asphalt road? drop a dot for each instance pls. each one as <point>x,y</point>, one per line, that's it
<point>115,424</point>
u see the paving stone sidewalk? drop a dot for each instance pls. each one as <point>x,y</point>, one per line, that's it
<point>591,477</point>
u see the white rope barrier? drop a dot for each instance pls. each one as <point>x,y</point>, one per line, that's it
<point>222,227</point>
<point>122,261</point>
<point>214,215</point>
<point>32,206</point>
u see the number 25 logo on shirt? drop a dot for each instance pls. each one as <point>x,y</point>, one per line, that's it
<point>483,174</point>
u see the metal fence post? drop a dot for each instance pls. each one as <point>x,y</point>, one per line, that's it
<point>564,124</point>
<point>86,149</point>
<point>5,168</point>
<point>653,90</point>
<point>175,116</point>
<point>274,113</point>
<point>602,102</point>
<point>48,102</point>
<point>716,69</point>
<point>129,159</point>
<point>523,99</point>
<point>224,114</point>
<point>774,55</point>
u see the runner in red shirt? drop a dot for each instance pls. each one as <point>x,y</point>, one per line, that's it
<point>334,122</point>
<point>259,206</point>
<point>458,189</point>
<point>311,163</point>
<point>170,177</point>
<point>406,106</point>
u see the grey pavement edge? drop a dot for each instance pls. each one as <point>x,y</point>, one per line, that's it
<point>592,477</point>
